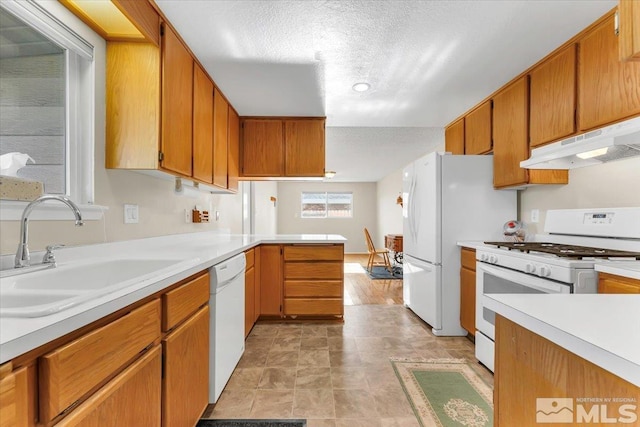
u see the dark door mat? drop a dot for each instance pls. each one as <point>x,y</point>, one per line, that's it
<point>252,423</point>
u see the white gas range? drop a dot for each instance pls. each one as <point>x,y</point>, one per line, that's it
<point>559,262</point>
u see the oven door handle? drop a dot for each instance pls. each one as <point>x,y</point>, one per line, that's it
<point>533,282</point>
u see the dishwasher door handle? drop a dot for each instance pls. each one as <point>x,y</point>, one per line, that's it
<point>226,283</point>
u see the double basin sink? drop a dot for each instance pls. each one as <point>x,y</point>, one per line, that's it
<point>49,291</point>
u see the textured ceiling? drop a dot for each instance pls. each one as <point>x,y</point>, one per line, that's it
<point>426,61</point>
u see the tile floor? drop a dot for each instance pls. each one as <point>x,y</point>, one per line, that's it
<point>335,375</point>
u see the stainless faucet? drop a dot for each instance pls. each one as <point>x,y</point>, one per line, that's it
<point>22,254</point>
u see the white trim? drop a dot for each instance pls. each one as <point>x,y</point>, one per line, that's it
<point>40,19</point>
<point>11,210</point>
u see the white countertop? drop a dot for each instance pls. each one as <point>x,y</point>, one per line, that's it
<point>629,269</point>
<point>197,252</point>
<point>601,328</point>
<point>472,244</point>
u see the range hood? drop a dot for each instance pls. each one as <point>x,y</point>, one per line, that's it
<point>615,142</point>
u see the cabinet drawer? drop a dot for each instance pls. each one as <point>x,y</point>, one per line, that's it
<point>250,256</point>
<point>183,301</point>
<point>612,284</point>
<point>68,373</point>
<point>313,253</point>
<point>313,306</point>
<point>313,288</point>
<point>130,399</point>
<point>468,258</point>
<point>313,270</point>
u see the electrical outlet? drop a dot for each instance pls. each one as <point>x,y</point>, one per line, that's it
<point>187,216</point>
<point>535,215</point>
<point>130,214</point>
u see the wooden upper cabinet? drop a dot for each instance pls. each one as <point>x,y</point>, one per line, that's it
<point>510,145</point>
<point>202,125</point>
<point>304,147</point>
<point>553,98</point>
<point>177,104</point>
<point>454,137</point>
<point>262,148</point>
<point>629,30</point>
<point>234,150</point>
<point>220,139</point>
<point>477,135</point>
<point>608,89</point>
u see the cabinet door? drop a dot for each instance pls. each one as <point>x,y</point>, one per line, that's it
<point>608,89</point>
<point>510,135</point>
<point>468,300</point>
<point>454,137</point>
<point>234,149</point>
<point>220,139</point>
<point>131,399</point>
<point>270,280</point>
<point>202,125</point>
<point>304,147</point>
<point>17,398</point>
<point>249,299</point>
<point>477,138</point>
<point>185,387</point>
<point>610,284</point>
<point>553,98</point>
<point>262,148</point>
<point>258,295</point>
<point>177,104</point>
<point>629,30</point>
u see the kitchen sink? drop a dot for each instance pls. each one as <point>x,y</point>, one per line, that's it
<point>49,291</point>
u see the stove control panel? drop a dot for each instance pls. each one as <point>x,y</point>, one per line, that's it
<point>598,218</point>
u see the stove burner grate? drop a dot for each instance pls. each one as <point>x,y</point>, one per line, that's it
<point>565,251</point>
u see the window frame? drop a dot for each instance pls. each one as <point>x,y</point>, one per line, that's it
<point>326,203</point>
<point>80,111</point>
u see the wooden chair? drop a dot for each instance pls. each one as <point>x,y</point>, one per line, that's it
<point>373,252</point>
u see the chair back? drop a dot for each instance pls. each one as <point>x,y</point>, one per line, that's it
<point>370,246</point>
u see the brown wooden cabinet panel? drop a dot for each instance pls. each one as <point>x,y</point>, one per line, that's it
<point>131,399</point>
<point>262,148</point>
<point>202,125</point>
<point>177,104</point>
<point>133,106</point>
<point>477,132</point>
<point>270,280</point>
<point>313,270</point>
<point>612,284</point>
<point>553,98</point>
<point>468,258</point>
<point>234,150</point>
<point>454,137</point>
<point>546,370</point>
<point>629,30</point>
<point>608,89</point>
<point>249,299</point>
<point>468,300</point>
<point>313,288</point>
<point>257,267</point>
<point>510,147</point>
<point>18,397</point>
<point>313,306</point>
<point>182,302</point>
<point>304,147</point>
<point>71,371</point>
<point>185,386</point>
<point>313,253</point>
<point>220,139</point>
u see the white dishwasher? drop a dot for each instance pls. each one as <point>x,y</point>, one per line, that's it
<point>227,322</point>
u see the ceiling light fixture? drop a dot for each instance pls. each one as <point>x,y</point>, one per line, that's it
<point>361,87</point>
<point>329,174</point>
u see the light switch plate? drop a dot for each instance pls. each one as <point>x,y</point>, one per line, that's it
<point>130,214</point>
<point>535,215</point>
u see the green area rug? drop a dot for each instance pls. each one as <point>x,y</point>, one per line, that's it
<point>445,392</point>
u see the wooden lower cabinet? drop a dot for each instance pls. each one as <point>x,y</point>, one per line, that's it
<point>185,386</point>
<point>17,397</point>
<point>271,280</point>
<point>613,284</point>
<point>529,367</point>
<point>249,291</point>
<point>468,290</point>
<point>131,399</point>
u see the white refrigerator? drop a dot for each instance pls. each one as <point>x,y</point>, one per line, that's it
<point>447,198</point>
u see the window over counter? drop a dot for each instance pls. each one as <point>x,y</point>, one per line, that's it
<point>47,107</point>
<point>326,205</point>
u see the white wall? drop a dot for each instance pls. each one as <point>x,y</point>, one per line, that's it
<point>389,212</point>
<point>615,184</point>
<point>161,212</point>
<point>265,212</point>
<point>364,212</point>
